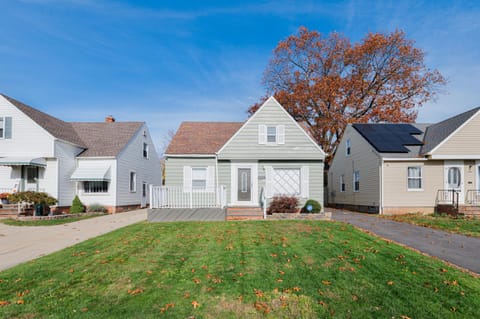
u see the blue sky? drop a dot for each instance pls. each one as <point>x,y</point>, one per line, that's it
<point>168,61</point>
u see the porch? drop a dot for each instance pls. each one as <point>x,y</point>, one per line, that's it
<point>454,202</point>
<point>25,174</point>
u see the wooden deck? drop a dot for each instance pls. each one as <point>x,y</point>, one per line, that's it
<point>185,214</point>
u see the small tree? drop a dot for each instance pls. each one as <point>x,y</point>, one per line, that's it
<point>77,206</point>
<point>283,204</point>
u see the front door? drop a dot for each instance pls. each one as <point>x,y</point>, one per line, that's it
<point>244,187</point>
<point>30,177</point>
<point>454,179</point>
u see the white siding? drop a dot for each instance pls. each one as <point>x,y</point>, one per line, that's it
<point>65,164</point>
<point>104,199</point>
<point>147,170</point>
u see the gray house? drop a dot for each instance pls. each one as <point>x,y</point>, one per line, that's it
<point>242,165</point>
<point>408,168</point>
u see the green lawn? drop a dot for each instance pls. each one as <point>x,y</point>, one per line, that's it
<point>282,269</point>
<point>465,226</point>
<point>49,222</point>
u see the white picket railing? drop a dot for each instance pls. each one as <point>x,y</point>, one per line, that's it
<point>176,197</point>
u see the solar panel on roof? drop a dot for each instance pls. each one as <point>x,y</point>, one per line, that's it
<point>389,138</point>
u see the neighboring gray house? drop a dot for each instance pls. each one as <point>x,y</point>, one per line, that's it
<point>407,168</point>
<point>108,163</point>
<point>238,164</point>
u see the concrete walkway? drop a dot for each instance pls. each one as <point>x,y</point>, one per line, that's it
<point>460,250</point>
<point>19,244</point>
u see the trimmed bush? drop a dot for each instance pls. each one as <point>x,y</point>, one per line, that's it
<point>316,207</point>
<point>77,206</point>
<point>96,208</point>
<point>283,204</point>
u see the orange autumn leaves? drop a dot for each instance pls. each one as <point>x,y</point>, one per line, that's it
<point>328,81</point>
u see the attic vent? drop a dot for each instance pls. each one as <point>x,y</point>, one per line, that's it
<point>109,119</point>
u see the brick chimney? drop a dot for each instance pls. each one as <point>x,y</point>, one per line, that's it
<point>109,119</point>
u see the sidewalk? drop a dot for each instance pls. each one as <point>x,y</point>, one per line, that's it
<point>19,244</point>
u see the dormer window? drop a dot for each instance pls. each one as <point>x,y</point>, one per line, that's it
<point>271,134</point>
<point>348,148</point>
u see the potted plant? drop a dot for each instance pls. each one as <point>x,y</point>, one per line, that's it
<point>4,198</point>
<point>41,201</point>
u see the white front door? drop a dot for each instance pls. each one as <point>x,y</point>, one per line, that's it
<point>244,184</point>
<point>454,178</point>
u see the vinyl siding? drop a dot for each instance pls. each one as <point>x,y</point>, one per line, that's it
<point>466,141</point>
<point>224,177</point>
<point>64,167</point>
<point>362,158</point>
<point>147,170</point>
<point>315,177</point>
<point>28,138</point>
<point>174,168</point>
<point>104,199</point>
<point>244,145</point>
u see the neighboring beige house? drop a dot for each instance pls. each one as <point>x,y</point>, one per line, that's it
<point>407,168</point>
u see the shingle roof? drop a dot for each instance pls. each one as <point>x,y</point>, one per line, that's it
<point>105,139</point>
<point>58,128</point>
<point>202,137</point>
<point>438,132</point>
<point>98,138</point>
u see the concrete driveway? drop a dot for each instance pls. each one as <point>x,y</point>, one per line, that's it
<point>460,250</point>
<point>19,244</point>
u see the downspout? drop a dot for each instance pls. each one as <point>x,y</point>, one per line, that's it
<point>380,203</point>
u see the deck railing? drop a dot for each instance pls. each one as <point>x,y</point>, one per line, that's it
<point>177,197</point>
<point>473,197</point>
<point>447,197</point>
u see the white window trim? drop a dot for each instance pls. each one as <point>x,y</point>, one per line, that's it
<point>342,182</point>
<point>420,178</point>
<point>355,190</point>
<point>348,148</point>
<point>206,179</point>
<point>276,135</point>
<point>83,192</point>
<point>134,182</point>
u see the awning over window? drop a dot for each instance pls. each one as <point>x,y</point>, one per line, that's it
<point>91,173</point>
<point>20,161</point>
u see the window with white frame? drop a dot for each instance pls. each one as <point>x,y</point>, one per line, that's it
<point>95,187</point>
<point>145,150</point>
<point>2,127</point>
<point>342,183</point>
<point>356,181</point>
<point>286,181</point>
<point>348,147</point>
<point>199,178</point>
<point>133,182</point>
<point>414,177</point>
<point>144,189</point>
<point>271,134</point>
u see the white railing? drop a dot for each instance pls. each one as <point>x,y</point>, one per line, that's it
<point>176,197</point>
<point>5,190</point>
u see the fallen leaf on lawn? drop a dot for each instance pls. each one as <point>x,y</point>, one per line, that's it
<point>462,293</point>
<point>149,272</point>
<point>258,293</point>
<point>262,307</point>
<point>229,247</point>
<point>354,298</point>
<point>84,309</point>
<point>443,270</point>
<point>195,304</point>
<point>390,283</point>
<point>281,272</point>
<point>4,303</point>
<point>22,293</point>
<point>296,288</point>
<point>186,295</point>
<point>436,289</point>
<point>71,270</point>
<point>273,255</point>
<point>209,289</point>
<point>97,251</point>
<point>323,304</point>
<point>279,280</point>
<point>204,267</point>
<point>135,291</point>
<point>169,305</point>
<point>193,269</point>
<point>453,309</point>
<point>217,280</point>
<point>326,282</point>
<point>196,280</point>
<point>20,302</point>
<point>405,317</point>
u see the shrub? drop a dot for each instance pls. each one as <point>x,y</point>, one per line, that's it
<point>77,206</point>
<point>316,207</point>
<point>96,208</point>
<point>283,204</point>
<point>32,197</point>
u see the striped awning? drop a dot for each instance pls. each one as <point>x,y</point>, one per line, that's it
<point>21,161</point>
<point>91,173</point>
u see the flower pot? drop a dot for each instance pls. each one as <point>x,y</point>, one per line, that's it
<point>5,201</point>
